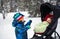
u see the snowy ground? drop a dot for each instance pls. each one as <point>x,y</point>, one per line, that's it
<point>7,31</point>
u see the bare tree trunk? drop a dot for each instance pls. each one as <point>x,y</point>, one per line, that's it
<point>10,5</point>
<point>2,9</point>
<point>1,4</point>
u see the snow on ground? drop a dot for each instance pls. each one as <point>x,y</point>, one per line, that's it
<point>7,31</point>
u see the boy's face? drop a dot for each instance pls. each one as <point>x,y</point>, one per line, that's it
<point>49,20</point>
<point>22,19</point>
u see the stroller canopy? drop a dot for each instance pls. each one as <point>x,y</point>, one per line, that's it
<point>45,9</point>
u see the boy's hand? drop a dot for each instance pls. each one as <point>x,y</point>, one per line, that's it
<point>28,27</point>
<point>30,20</point>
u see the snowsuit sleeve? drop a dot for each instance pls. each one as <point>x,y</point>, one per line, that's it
<point>26,27</point>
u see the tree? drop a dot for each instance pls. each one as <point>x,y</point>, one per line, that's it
<point>33,6</point>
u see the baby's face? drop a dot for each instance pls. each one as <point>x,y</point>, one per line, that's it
<point>49,20</point>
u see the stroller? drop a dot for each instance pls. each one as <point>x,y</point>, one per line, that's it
<point>45,9</point>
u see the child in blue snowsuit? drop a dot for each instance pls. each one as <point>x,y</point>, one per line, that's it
<point>20,28</point>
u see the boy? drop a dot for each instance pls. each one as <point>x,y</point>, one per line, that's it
<point>20,28</point>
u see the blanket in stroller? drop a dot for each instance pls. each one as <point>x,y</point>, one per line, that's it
<point>41,27</point>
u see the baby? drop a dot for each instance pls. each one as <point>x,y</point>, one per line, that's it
<point>41,27</point>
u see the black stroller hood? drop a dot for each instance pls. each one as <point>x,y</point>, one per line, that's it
<point>46,8</point>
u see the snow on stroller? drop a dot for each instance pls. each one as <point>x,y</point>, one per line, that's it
<point>45,9</point>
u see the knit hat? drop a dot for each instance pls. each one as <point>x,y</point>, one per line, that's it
<point>18,16</point>
<point>48,16</point>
